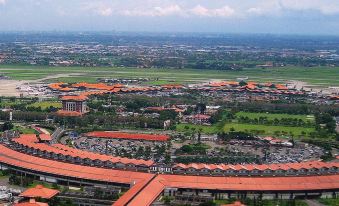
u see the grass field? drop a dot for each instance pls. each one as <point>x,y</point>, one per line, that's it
<point>24,130</point>
<point>321,76</point>
<point>269,130</point>
<point>45,105</point>
<point>329,202</point>
<point>204,129</point>
<point>269,116</point>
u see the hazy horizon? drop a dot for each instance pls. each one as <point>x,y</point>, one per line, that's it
<point>302,17</point>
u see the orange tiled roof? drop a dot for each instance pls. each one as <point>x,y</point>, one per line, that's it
<point>131,193</point>
<point>156,184</point>
<point>224,83</point>
<point>30,140</point>
<point>251,86</point>
<point>172,86</point>
<point>45,137</point>
<point>74,98</point>
<point>39,191</point>
<point>56,86</point>
<point>250,167</point>
<point>14,158</point>
<point>66,89</point>
<point>98,86</point>
<point>68,113</point>
<point>281,87</point>
<point>149,194</point>
<point>253,183</point>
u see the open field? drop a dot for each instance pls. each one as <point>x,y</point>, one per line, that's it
<point>24,130</point>
<point>204,129</point>
<point>320,76</point>
<point>45,105</point>
<point>268,130</point>
<point>269,116</point>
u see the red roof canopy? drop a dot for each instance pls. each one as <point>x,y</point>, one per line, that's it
<point>68,113</point>
<point>39,191</point>
<point>45,137</point>
<point>74,98</point>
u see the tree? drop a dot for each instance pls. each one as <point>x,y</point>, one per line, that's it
<point>186,149</point>
<point>209,203</point>
<point>167,158</point>
<point>200,108</point>
<point>167,200</point>
<point>168,114</point>
<point>242,83</point>
<point>188,111</point>
<point>7,126</point>
<point>199,135</point>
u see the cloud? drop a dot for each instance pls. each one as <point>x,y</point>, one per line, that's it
<point>254,10</point>
<point>155,11</point>
<point>265,8</point>
<point>98,8</point>
<point>105,11</point>
<point>177,10</point>
<point>280,7</point>
<point>200,11</point>
<point>2,2</point>
<point>224,11</point>
<point>326,7</point>
<point>248,8</point>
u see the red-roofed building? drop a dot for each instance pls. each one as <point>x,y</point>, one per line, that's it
<point>197,119</point>
<point>39,191</point>
<point>73,105</point>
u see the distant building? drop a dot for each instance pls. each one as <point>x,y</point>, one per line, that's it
<point>197,119</point>
<point>73,106</point>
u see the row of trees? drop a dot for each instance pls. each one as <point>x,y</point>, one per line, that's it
<point>293,122</point>
<point>285,108</point>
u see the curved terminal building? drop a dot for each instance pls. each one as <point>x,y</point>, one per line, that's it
<point>147,181</point>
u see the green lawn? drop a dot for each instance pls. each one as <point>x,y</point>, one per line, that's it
<point>253,115</point>
<point>24,130</point>
<point>204,129</point>
<point>6,103</point>
<point>268,130</point>
<point>329,202</point>
<point>322,76</point>
<point>46,104</point>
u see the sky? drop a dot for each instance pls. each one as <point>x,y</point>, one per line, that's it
<point>310,17</point>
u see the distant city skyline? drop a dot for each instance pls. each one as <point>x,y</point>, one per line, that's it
<point>308,17</point>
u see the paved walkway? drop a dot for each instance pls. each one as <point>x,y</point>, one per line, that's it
<point>313,203</point>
